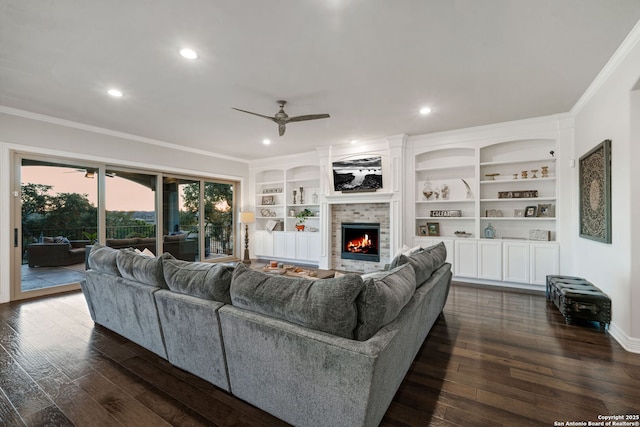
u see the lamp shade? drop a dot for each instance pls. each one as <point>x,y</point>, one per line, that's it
<point>247,217</point>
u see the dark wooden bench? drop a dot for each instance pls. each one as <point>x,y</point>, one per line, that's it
<point>577,298</point>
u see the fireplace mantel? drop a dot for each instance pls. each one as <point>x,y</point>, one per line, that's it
<point>366,197</point>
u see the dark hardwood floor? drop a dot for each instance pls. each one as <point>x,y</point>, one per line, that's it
<point>494,358</point>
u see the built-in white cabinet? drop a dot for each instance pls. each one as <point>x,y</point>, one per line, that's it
<point>287,245</point>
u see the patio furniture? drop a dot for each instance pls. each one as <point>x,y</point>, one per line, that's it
<point>56,254</point>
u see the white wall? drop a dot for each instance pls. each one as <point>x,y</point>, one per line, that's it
<point>606,112</point>
<point>29,133</point>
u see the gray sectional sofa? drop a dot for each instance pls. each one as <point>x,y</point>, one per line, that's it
<point>329,352</point>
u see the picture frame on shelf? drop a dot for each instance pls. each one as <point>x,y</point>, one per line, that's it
<point>493,213</point>
<point>545,210</point>
<point>268,200</point>
<point>422,230</point>
<point>530,211</point>
<point>433,228</point>
<point>518,213</point>
<point>594,180</point>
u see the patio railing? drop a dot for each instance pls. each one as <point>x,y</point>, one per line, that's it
<point>218,240</point>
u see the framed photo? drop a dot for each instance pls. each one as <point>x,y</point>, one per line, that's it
<point>433,228</point>
<point>268,200</point>
<point>595,193</point>
<point>422,230</point>
<point>518,213</point>
<point>545,210</point>
<point>530,211</point>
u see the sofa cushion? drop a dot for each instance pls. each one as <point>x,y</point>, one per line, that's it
<point>383,296</point>
<point>140,268</point>
<point>200,279</point>
<point>424,262</point>
<point>327,305</point>
<point>122,243</point>
<point>103,259</point>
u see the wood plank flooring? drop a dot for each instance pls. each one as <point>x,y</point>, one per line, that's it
<point>495,358</point>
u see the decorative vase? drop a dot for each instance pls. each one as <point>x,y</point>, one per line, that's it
<point>300,227</point>
<point>489,232</point>
<point>427,190</point>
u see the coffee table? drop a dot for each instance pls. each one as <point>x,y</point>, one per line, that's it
<point>304,272</point>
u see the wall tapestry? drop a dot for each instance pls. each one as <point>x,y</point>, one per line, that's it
<point>595,193</point>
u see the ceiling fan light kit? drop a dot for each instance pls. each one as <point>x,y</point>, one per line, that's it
<point>282,118</point>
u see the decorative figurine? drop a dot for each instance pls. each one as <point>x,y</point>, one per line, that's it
<point>444,192</point>
<point>524,174</point>
<point>534,172</point>
<point>314,198</point>
<point>545,171</point>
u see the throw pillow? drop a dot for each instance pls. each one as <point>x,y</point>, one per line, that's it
<point>382,298</point>
<point>142,269</point>
<point>424,262</point>
<point>103,259</point>
<point>62,239</point>
<point>200,279</point>
<point>327,305</point>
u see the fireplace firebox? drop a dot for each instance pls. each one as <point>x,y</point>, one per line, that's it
<point>361,241</point>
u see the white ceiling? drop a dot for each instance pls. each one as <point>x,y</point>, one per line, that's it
<point>371,64</point>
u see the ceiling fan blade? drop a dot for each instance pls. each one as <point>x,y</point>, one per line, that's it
<point>255,114</point>
<point>307,117</point>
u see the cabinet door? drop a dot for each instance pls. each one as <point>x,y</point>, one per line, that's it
<point>544,261</point>
<point>263,242</point>
<point>465,260</point>
<point>490,260</point>
<point>302,246</point>
<point>516,262</point>
<point>290,244</point>
<point>279,244</point>
<point>308,246</point>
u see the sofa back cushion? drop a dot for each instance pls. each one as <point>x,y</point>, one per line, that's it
<point>424,262</point>
<point>199,279</point>
<point>140,268</point>
<point>103,259</point>
<point>327,305</point>
<point>384,294</point>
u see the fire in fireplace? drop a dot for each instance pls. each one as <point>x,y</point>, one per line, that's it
<point>361,241</point>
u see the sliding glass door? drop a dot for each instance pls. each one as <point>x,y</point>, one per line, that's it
<point>63,207</point>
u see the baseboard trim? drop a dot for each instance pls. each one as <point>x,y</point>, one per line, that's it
<point>630,344</point>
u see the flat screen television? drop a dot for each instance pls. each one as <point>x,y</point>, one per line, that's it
<point>358,174</point>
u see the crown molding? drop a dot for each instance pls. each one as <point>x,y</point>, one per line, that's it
<point>122,135</point>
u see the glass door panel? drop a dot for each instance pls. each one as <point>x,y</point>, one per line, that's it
<point>218,220</point>
<point>180,218</point>
<point>59,217</point>
<point>130,200</point>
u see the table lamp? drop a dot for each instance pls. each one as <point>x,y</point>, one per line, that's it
<point>246,218</point>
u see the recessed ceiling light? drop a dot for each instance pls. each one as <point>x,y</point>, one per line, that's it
<point>115,93</point>
<point>425,110</point>
<point>266,141</point>
<point>353,141</point>
<point>188,53</point>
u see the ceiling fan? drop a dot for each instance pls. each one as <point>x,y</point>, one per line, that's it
<point>281,118</point>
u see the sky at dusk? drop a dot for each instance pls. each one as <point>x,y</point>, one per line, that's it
<point>121,194</point>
